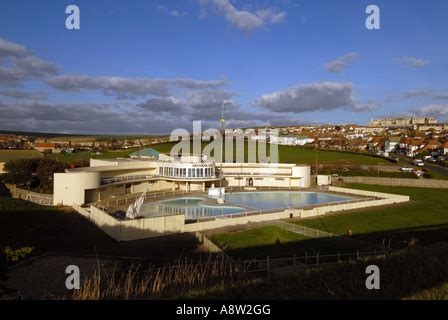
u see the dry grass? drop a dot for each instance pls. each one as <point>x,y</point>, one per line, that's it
<point>140,282</point>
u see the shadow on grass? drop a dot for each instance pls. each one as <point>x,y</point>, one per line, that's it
<point>66,231</point>
<point>392,239</point>
<point>409,275</point>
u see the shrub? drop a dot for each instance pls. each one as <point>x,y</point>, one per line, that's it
<point>428,175</point>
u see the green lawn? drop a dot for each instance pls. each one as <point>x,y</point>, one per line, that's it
<point>6,155</point>
<point>300,155</point>
<point>86,155</point>
<point>10,204</point>
<point>425,218</point>
<point>274,242</point>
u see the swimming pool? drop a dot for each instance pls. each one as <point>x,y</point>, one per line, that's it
<point>284,199</point>
<point>189,206</point>
<point>238,202</point>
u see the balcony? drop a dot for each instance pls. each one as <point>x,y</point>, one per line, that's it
<point>124,179</point>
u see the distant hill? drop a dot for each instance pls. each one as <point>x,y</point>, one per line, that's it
<point>54,135</point>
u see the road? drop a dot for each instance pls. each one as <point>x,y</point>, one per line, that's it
<point>435,168</point>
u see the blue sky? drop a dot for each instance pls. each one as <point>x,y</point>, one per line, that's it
<point>152,66</point>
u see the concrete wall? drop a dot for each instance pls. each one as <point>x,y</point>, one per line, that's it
<point>69,188</point>
<point>416,183</point>
<point>39,198</point>
<point>126,230</point>
<point>305,173</point>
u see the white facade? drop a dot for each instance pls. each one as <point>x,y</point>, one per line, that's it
<point>106,179</point>
<point>291,140</point>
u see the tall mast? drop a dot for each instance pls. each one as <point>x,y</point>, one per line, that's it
<point>222,148</point>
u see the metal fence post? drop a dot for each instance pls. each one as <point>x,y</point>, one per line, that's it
<point>357,254</point>
<point>317,258</point>
<point>306,257</point>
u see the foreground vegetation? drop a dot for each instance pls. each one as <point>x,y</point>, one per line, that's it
<point>418,273</point>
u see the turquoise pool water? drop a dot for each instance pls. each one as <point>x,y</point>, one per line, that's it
<point>190,207</point>
<point>237,202</point>
<point>275,200</point>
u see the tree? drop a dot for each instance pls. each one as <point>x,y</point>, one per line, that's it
<point>45,171</point>
<point>20,171</point>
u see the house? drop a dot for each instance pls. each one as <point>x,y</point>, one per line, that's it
<point>410,147</point>
<point>432,146</point>
<point>391,144</point>
<point>291,140</point>
<point>357,145</point>
<point>375,144</point>
<point>444,149</point>
<point>45,147</point>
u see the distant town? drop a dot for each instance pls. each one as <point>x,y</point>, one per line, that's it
<point>404,136</point>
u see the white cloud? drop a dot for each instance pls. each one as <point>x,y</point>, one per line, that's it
<point>413,62</point>
<point>128,88</point>
<point>174,13</point>
<point>433,110</point>
<point>323,96</point>
<point>11,49</point>
<point>23,65</point>
<point>16,94</point>
<point>341,63</point>
<point>245,20</point>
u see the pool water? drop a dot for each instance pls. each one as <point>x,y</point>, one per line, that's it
<point>190,207</point>
<point>277,200</point>
<point>237,202</point>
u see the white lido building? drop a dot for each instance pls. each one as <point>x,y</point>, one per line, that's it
<point>105,179</point>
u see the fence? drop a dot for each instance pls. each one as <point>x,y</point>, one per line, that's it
<point>152,195</point>
<point>397,182</point>
<point>310,261</point>
<point>38,198</point>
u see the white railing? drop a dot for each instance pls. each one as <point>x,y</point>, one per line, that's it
<point>106,181</point>
<point>124,179</point>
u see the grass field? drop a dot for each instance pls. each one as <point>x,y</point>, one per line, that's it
<point>6,155</point>
<point>9,154</point>
<point>425,218</point>
<point>274,242</point>
<point>300,155</point>
<point>86,155</point>
<point>424,221</point>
